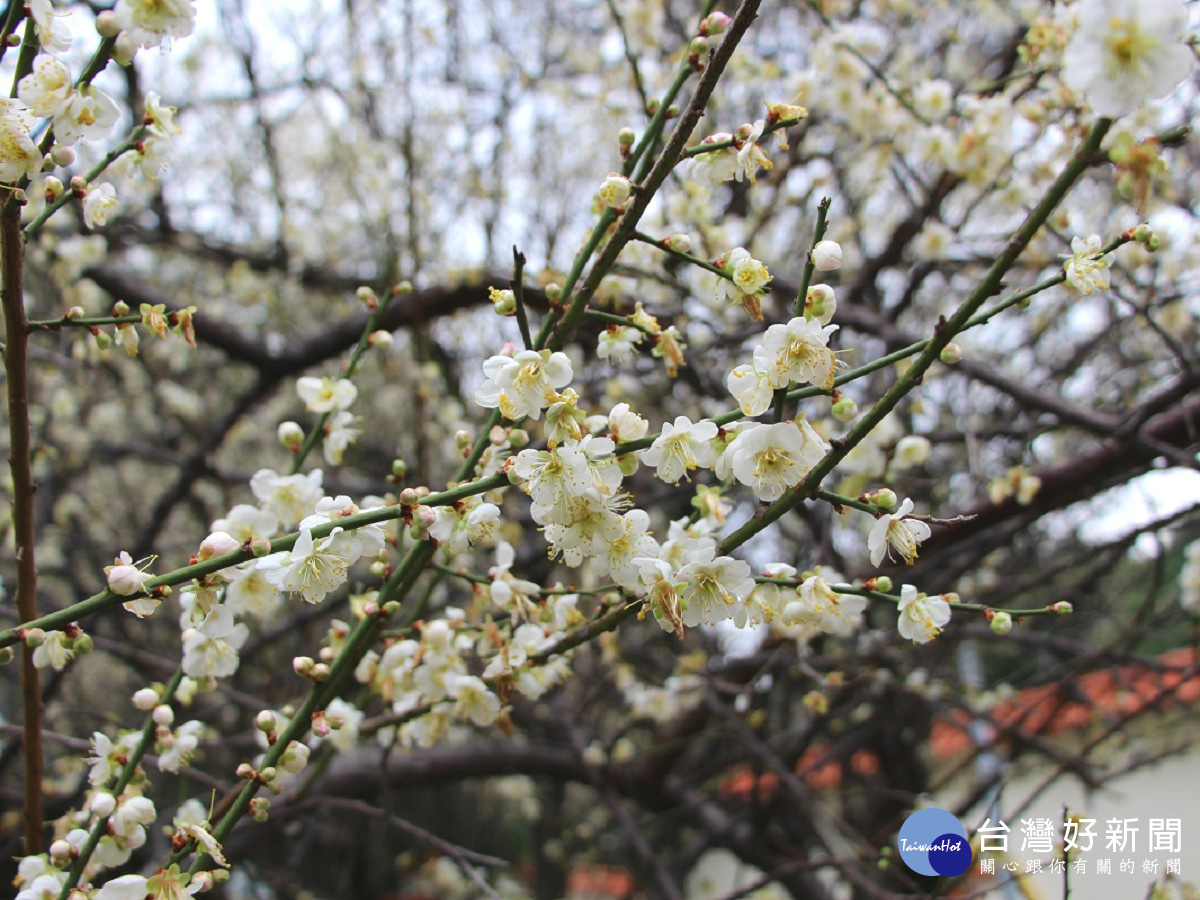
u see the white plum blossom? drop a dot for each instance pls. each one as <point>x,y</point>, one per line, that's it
<point>100,205</point>
<point>325,394</point>
<point>126,887</point>
<point>895,532</point>
<point>150,22</point>
<point>105,761</point>
<point>87,114</point>
<point>922,618</point>
<point>53,652</point>
<point>747,279</point>
<point>751,388</point>
<point>750,155</point>
<point>770,459</point>
<point>626,425</point>
<point>713,588</point>
<point>47,87</point>
<point>289,497</point>
<point>52,31</point>
<point>508,593</point>
<point>615,191</point>
<point>681,447</point>
<point>245,523</point>
<point>338,436</point>
<point>473,700</point>
<point>589,525</point>
<point>176,750</point>
<point>718,165</point>
<point>1086,269</point>
<point>212,648</point>
<point>617,343</point>
<point>314,567</point>
<point>797,352</point>
<point>1126,51</point>
<point>618,559</point>
<point>524,384</point>
<point>464,523</point>
<point>19,156</point>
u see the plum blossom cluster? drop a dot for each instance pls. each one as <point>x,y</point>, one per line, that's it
<point>77,111</point>
<point>330,397</point>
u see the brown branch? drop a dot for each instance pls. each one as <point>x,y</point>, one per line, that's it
<point>16,327</point>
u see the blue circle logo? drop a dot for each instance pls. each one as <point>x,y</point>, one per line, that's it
<point>933,842</point>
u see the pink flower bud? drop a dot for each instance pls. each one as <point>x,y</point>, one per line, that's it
<point>126,580</point>
<point>218,544</point>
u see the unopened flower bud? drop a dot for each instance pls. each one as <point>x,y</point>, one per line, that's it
<point>463,439</point>
<point>244,771</point>
<point>827,256</point>
<point>403,289</point>
<point>820,303</point>
<point>498,436</point>
<point>626,137</point>
<point>54,188</point>
<point>103,803</point>
<point>503,301</point>
<point>884,498</point>
<point>259,807</point>
<point>320,725</point>
<point>217,544</point>
<point>1001,623</point>
<point>260,547</point>
<point>409,497</point>
<point>265,721</point>
<point>6,655</point>
<point>554,292</point>
<point>79,185</point>
<point>518,437</point>
<point>883,584</point>
<point>106,24</point>
<point>367,297</point>
<point>63,155</point>
<point>319,672</point>
<point>912,450</point>
<point>380,340</point>
<point>83,645</point>
<point>163,715</point>
<point>103,340</point>
<point>844,409</point>
<point>75,313</point>
<point>126,580</point>
<point>1062,608</point>
<point>714,24</point>
<point>425,516</point>
<point>652,105</point>
<point>203,882</point>
<point>61,850</point>
<point>951,354</point>
<point>680,243</point>
<point>698,52</point>
<point>33,637</point>
<point>268,774</point>
<point>145,699</point>
<point>399,470</point>
<point>290,435</point>
<point>302,665</point>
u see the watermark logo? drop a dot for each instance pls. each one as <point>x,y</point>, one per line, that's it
<point>933,842</point>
